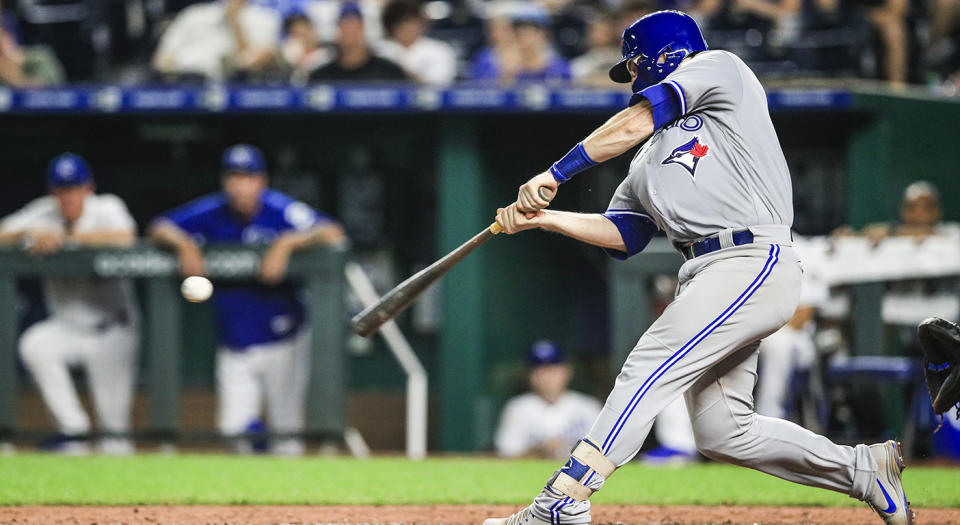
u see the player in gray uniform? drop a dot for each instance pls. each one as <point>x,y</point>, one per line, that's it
<point>712,176</point>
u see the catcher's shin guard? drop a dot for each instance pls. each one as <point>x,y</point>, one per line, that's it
<point>586,462</point>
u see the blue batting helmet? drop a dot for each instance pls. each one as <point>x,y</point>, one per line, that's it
<point>68,169</point>
<point>672,33</point>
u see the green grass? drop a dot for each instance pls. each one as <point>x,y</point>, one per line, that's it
<point>217,479</point>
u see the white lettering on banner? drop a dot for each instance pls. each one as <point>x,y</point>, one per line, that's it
<point>158,99</point>
<point>232,264</point>
<point>133,264</point>
<point>371,98</point>
<point>50,99</point>
<point>585,98</point>
<point>472,98</point>
<point>264,98</point>
<point>806,97</point>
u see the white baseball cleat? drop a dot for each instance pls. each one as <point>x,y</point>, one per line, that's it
<point>889,500</point>
<point>523,517</point>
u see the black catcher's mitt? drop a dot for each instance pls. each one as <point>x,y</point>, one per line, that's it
<point>940,343</point>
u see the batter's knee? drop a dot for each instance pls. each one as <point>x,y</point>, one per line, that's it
<point>39,344</point>
<point>720,435</point>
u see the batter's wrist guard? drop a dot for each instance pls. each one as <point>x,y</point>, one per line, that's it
<point>940,345</point>
<point>575,161</point>
<point>586,462</point>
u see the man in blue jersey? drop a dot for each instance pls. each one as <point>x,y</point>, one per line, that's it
<point>264,346</point>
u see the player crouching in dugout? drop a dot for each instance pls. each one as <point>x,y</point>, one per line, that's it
<point>263,352</point>
<point>93,323</point>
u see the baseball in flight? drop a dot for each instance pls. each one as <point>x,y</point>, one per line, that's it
<point>196,289</point>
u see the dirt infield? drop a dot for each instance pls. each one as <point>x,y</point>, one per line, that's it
<point>444,514</point>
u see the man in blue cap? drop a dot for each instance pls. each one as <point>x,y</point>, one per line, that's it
<point>93,323</point>
<point>263,343</point>
<point>549,420</point>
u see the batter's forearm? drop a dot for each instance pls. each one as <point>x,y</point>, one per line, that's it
<point>591,228</point>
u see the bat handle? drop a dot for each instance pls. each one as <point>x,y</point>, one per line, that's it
<point>545,193</point>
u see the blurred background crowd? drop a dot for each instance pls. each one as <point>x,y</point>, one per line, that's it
<point>439,42</point>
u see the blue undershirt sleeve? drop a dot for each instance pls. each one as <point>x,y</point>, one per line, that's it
<point>636,230</point>
<point>663,101</point>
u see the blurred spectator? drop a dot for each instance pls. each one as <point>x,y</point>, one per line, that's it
<point>325,15</point>
<point>908,301</point>
<point>889,18</point>
<point>501,48</point>
<point>264,342</point>
<point>548,421</point>
<point>218,40</point>
<point>354,60</point>
<point>93,323</point>
<point>920,217</point>
<point>631,10</point>
<point>425,60</point>
<point>592,68</point>
<point>301,51</point>
<point>524,55</point>
<point>23,67</point>
<point>943,54</point>
<point>756,30</point>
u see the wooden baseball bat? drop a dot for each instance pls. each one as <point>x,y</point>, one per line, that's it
<point>395,301</point>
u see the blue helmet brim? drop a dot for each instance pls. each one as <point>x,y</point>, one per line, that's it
<point>619,72</point>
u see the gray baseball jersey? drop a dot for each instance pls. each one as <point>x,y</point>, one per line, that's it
<point>719,166</point>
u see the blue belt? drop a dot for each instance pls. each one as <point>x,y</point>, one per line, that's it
<point>712,244</point>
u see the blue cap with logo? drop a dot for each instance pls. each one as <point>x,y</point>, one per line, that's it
<point>68,169</point>
<point>545,352</point>
<point>243,158</point>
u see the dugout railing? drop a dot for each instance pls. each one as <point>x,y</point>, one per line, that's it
<point>321,270</point>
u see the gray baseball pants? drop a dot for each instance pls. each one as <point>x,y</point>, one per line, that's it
<point>704,346</point>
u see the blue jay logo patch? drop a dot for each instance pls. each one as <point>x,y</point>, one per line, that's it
<point>688,155</point>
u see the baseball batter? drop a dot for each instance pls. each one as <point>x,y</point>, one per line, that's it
<point>93,323</point>
<point>264,346</point>
<point>712,176</point>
